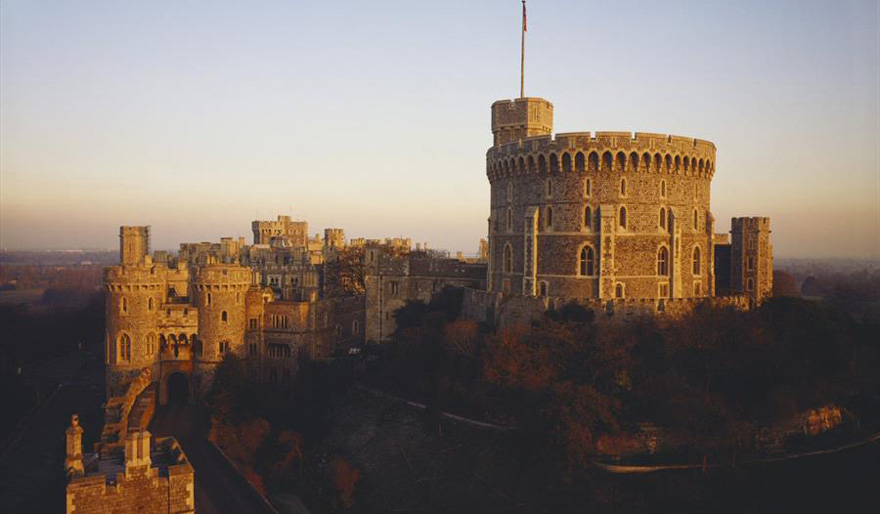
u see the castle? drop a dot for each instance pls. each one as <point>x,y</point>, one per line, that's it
<point>269,303</point>
<point>615,221</point>
<point>618,222</point>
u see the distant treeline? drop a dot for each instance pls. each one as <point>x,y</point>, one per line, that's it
<point>59,258</point>
<point>71,277</point>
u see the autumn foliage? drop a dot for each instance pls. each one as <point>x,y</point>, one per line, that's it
<point>345,477</point>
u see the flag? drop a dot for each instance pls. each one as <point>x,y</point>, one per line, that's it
<point>525,28</point>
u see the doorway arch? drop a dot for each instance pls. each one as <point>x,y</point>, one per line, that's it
<point>178,388</point>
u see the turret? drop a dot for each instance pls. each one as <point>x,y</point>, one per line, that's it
<point>134,245</point>
<point>513,120</point>
<point>751,258</point>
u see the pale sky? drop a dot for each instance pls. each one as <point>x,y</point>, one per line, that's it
<point>195,117</point>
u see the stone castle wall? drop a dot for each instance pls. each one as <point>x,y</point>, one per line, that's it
<point>501,310</point>
<point>622,195</point>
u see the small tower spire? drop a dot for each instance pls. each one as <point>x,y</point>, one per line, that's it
<point>74,461</point>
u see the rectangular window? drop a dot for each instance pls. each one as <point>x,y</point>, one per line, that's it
<point>394,288</point>
<point>253,323</point>
<point>664,290</point>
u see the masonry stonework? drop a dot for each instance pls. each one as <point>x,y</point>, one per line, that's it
<point>609,215</point>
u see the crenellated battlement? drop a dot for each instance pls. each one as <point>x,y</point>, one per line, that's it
<point>222,275</point>
<point>750,223</point>
<point>145,277</point>
<point>602,151</point>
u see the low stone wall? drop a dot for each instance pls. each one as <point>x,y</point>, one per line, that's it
<point>500,310</point>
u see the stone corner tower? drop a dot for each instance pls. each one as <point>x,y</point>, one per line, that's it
<point>134,245</point>
<point>751,258</point>
<point>517,119</point>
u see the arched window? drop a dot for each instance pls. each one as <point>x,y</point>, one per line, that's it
<point>594,161</point>
<point>531,164</point>
<point>549,218</point>
<point>588,187</point>
<point>542,164</point>
<point>669,219</point>
<point>621,161</point>
<point>677,163</point>
<point>224,317</point>
<point>123,305</point>
<point>508,259</point>
<point>687,163</point>
<point>623,187</point>
<point>662,189</point>
<point>124,348</point>
<point>509,219</point>
<point>587,262</point>
<point>554,163</point>
<point>579,162</point>
<point>618,290</point>
<point>150,304</point>
<point>549,188</point>
<point>566,161</point>
<point>622,218</point>
<point>151,343</point>
<point>646,161</point>
<point>697,266</point>
<point>607,161</point>
<point>634,161</point>
<point>663,218</point>
<point>663,261</point>
<point>696,220</point>
<point>588,217</point>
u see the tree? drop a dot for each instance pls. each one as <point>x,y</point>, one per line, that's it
<point>345,477</point>
<point>462,337</point>
<point>784,284</point>
<point>346,272</point>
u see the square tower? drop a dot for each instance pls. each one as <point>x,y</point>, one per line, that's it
<point>751,258</point>
<point>134,245</point>
<point>513,120</point>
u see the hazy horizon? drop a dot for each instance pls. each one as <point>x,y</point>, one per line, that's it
<point>198,118</point>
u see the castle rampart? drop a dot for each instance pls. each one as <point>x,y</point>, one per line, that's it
<point>601,215</point>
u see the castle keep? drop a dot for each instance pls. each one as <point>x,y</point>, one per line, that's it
<point>612,220</point>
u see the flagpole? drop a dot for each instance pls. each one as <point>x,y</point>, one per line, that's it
<point>522,56</point>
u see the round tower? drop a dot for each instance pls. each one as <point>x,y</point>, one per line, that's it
<point>134,295</point>
<point>219,291</point>
<point>605,215</point>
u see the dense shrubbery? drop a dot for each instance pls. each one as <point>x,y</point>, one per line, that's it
<point>271,434</point>
<point>705,379</point>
